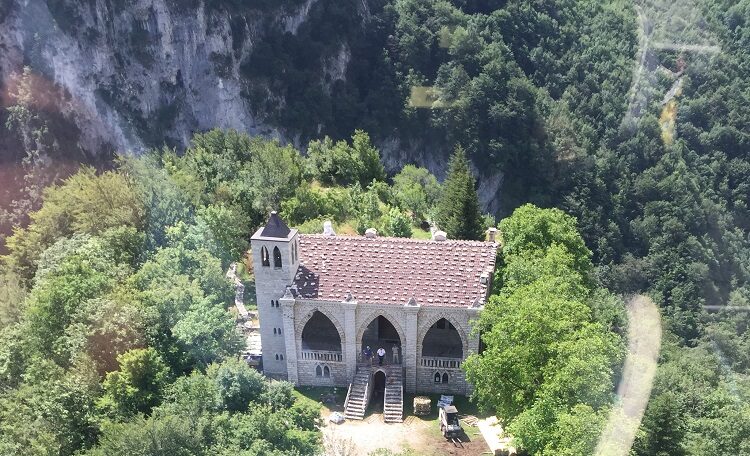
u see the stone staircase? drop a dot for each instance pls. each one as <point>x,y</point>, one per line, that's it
<point>360,390</point>
<point>393,406</point>
<point>358,395</point>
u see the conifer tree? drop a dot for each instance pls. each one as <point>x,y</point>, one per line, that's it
<point>458,209</point>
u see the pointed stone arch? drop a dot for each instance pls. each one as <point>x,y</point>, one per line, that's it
<point>429,320</point>
<point>365,322</point>
<point>277,262</point>
<point>301,322</point>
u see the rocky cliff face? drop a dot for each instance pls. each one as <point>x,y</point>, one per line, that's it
<point>156,71</point>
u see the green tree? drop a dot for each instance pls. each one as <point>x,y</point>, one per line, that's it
<point>55,300</point>
<point>458,209</point>
<point>237,383</point>
<point>274,174</point>
<point>397,224</point>
<point>137,387</point>
<point>344,164</point>
<point>417,191</point>
<point>51,413</point>
<point>368,157</point>
<point>208,333</point>
<point>104,328</point>
<point>171,434</point>
<point>12,296</point>
<point>530,231</point>
<point>226,229</point>
<point>84,203</point>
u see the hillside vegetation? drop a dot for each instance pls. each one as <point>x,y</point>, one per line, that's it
<point>558,101</point>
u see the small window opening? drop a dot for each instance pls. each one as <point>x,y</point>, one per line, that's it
<point>274,331</point>
<point>318,371</point>
<point>281,357</point>
<point>445,377</point>
<point>437,377</point>
<point>264,257</point>
<point>277,357</point>
<point>276,257</point>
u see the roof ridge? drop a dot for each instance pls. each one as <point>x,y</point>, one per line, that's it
<point>398,239</point>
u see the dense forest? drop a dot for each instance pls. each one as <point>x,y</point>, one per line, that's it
<point>565,99</point>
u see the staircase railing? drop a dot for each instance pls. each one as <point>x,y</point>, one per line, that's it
<point>367,395</point>
<point>348,393</point>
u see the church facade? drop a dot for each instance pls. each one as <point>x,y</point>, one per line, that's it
<point>324,299</point>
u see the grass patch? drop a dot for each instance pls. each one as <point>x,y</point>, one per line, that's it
<point>419,233</point>
<point>330,399</point>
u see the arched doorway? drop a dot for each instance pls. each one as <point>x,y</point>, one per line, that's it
<point>378,392</point>
<point>442,341</point>
<point>381,333</point>
<point>320,334</point>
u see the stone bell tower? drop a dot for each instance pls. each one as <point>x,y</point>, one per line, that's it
<point>275,250</point>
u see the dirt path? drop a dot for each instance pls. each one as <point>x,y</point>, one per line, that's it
<point>634,390</point>
<point>360,438</point>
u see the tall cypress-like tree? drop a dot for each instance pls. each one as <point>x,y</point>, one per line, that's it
<point>458,209</point>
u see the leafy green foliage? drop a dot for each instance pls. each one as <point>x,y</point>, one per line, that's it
<point>84,203</point>
<point>397,224</point>
<point>416,190</point>
<point>549,363</point>
<point>12,296</point>
<point>345,164</point>
<point>137,387</point>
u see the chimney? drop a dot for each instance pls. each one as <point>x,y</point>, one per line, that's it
<point>371,233</point>
<point>439,236</point>
<point>328,229</point>
<point>492,234</point>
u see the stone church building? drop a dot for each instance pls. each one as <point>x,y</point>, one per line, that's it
<point>322,299</point>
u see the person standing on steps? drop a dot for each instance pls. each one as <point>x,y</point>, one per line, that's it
<point>396,360</point>
<point>381,355</point>
<point>367,352</point>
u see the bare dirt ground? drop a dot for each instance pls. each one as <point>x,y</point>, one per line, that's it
<point>420,435</point>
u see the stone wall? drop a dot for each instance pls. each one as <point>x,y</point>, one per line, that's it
<point>457,383</point>
<point>306,374</point>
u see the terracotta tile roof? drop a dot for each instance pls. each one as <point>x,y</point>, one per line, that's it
<point>393,270</point>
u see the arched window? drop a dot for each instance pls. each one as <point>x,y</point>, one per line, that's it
<point>274,331</point>
<point>318,371</point>
<point>442,340</point>
<point>320,333</point>
<point>277,356</point>
<point>272,303</point>
<point>437,377</point>
<point>264,257</point>
<point>445,377</point>
<point>326,371</point>
<point>279,331</point>
<point>281,357</point>
<point>276,257</point>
